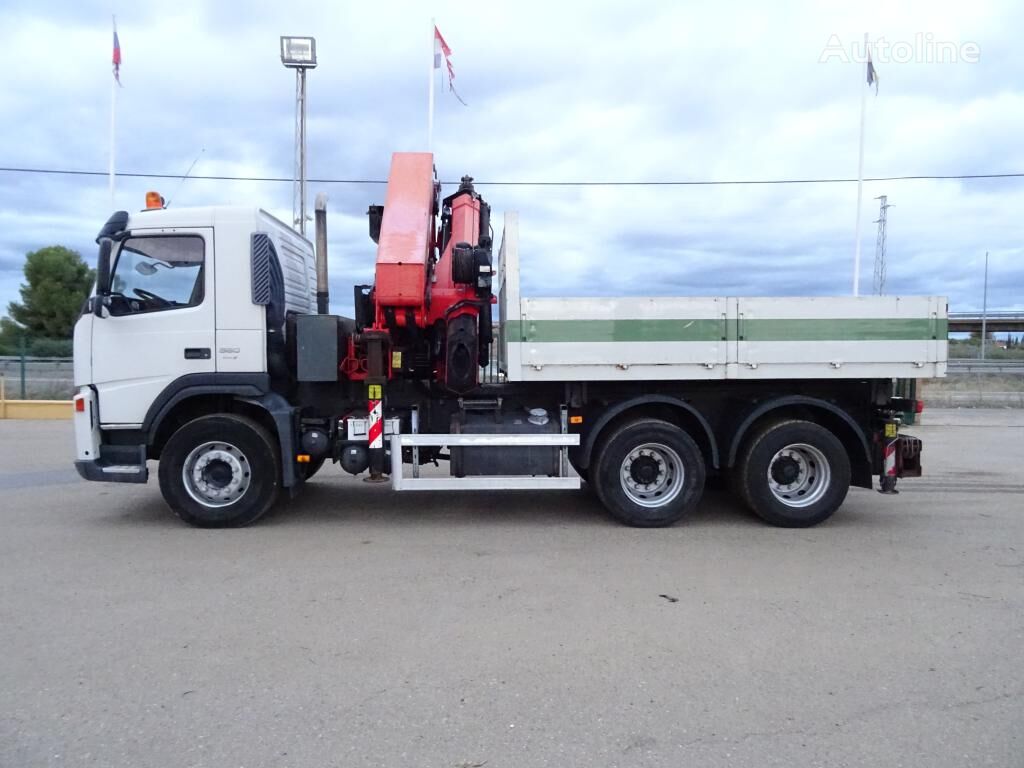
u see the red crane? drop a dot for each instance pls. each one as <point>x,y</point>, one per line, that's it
<point>431,299</point>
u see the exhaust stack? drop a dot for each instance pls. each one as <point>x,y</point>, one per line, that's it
<point>322,295</point>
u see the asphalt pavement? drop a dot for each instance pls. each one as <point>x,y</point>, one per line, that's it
<point>359,627</point>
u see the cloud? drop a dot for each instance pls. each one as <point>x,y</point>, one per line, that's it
<point>680,92</point>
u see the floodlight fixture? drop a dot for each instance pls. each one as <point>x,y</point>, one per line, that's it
<point>298,52</point>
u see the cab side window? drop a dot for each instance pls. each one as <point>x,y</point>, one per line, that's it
<point>157,273</point>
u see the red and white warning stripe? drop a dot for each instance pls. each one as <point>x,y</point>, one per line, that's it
<point>889,465</point>
<point>376,432</point>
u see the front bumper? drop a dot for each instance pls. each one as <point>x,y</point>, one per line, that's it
<point>111,473</point>
<point>105,463</point>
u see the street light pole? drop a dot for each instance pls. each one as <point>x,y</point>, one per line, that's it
<point>984,309</point>
<point>300,149</point>
<point>299,53</point>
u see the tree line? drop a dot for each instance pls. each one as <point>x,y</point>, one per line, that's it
<point>57,283</point>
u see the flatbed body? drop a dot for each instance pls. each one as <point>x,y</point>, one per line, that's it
<point>654,338</point>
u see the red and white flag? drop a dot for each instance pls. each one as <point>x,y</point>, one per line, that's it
<point>116,59</point>
<point>441,49</point>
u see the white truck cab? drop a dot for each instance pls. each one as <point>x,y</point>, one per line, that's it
<point>176,309</point>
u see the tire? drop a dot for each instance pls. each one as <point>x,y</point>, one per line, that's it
<point>220,471</point>
<point>793,474</point>
<point>648,473</point>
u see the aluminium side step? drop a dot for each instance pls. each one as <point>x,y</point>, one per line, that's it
<point>112,473</point>
<point>481,482</point>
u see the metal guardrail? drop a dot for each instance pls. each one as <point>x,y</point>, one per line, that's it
<point>985,366</point>
<point>52,374</point>
<point>1012,315</point>
<point>30,359</point>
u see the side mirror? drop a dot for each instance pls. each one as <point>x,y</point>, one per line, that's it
<point>102,277</point>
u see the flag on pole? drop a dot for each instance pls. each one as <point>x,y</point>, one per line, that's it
<point>441,48</point>
<point>872,74</point>
<point>116,59</point>
<point>872,77</point>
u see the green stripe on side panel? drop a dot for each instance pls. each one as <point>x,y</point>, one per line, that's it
<point>849,329</point>
<point>832,329</point>
<point>619,330</point>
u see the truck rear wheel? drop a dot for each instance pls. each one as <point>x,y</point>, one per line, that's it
<point>220,471</point>
<point>648,473</point>
<point>794,474</point>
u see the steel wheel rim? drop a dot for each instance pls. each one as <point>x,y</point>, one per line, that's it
<point>657,481</point>
<point>807,484</point>
<point>216,474</point>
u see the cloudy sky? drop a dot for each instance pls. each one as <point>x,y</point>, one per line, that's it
<point>657,91</point>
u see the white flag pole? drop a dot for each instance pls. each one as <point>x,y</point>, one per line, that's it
<point>860,176</point>
<point>113,130</point>
<point>430,91</point>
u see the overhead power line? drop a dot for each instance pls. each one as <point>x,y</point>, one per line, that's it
<point>678,183</point>
<point>124,175</point>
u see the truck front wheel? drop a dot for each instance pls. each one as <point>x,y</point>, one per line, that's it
<point>220,471</point>
<point>649,473</point>
<point>794,474</point>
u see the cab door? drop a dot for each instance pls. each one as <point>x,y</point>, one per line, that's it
<point>159,323</point>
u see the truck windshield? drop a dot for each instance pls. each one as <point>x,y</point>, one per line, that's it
<point>154,273</point>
